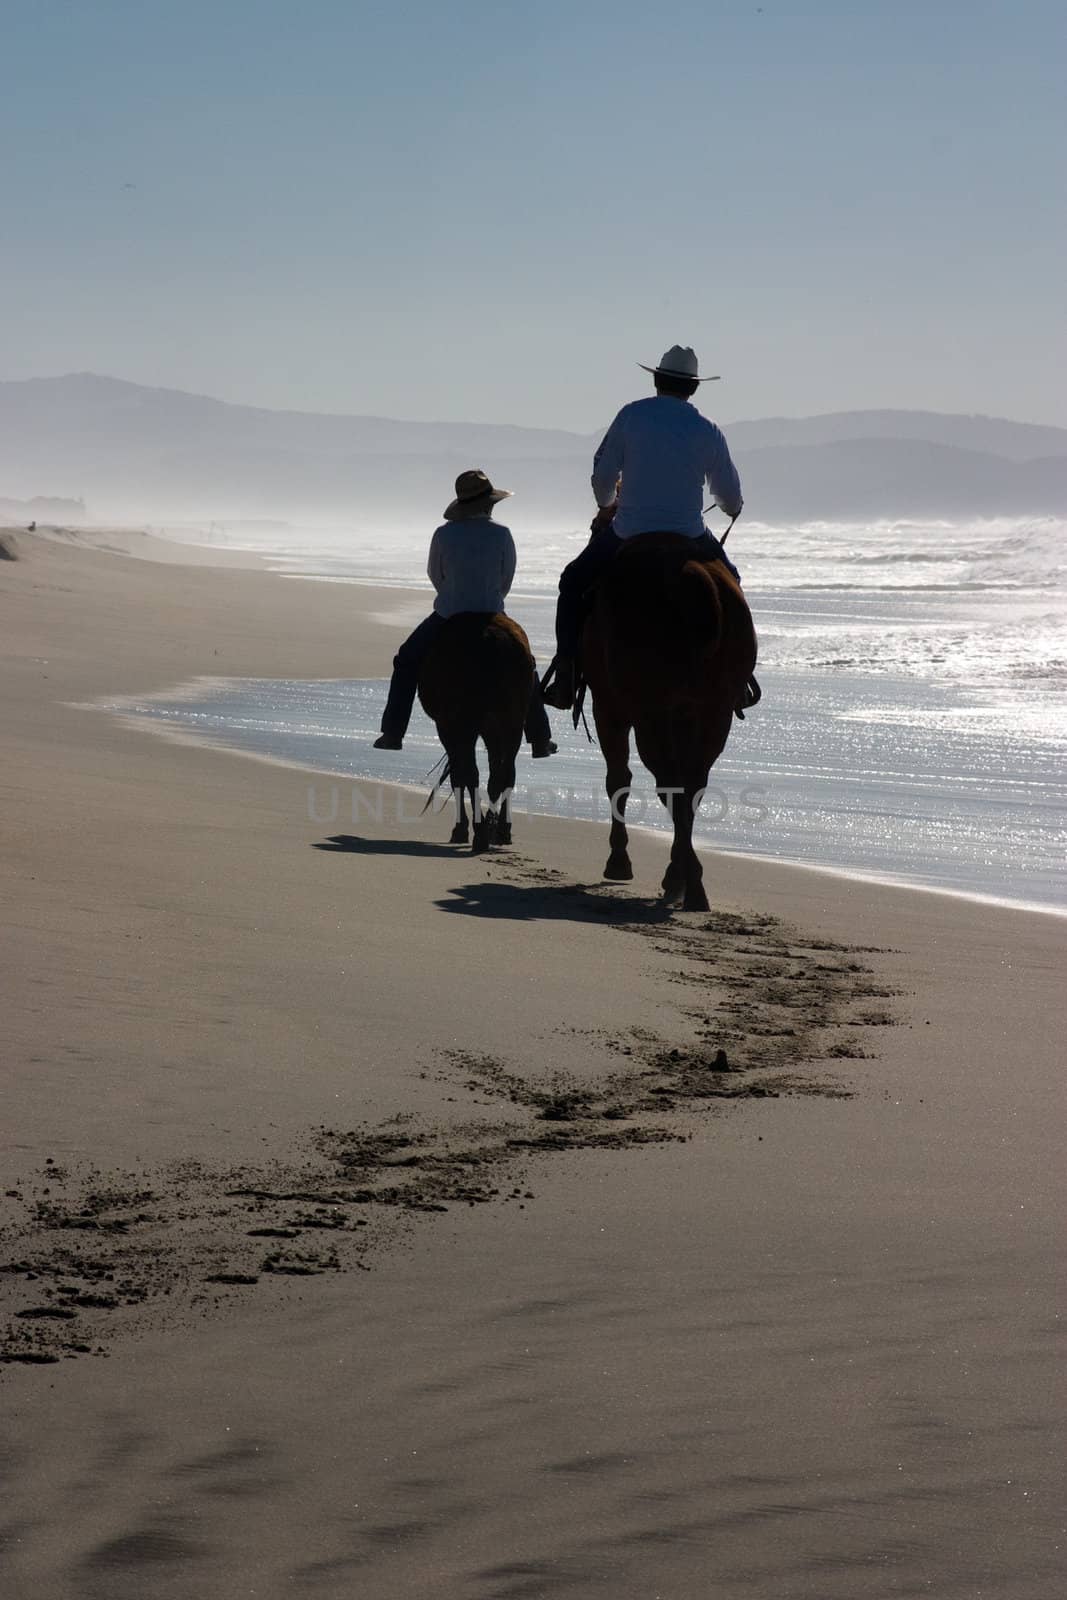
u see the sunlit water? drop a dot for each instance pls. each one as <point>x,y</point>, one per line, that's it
<point>914,724</point>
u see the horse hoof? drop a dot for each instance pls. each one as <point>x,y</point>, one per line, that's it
<point>695,900</point>
<point>459,835</point>
<point>618,869</point>
<point>503,834</point>
<point>673,885</point>
<point>483,838</point>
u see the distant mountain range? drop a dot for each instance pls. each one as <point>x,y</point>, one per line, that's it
<point>145,453</point>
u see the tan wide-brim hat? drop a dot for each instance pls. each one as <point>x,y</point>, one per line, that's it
<point>680,361</point>
<point>473,492</point>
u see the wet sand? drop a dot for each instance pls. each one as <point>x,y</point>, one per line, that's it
<point>566,1248</point>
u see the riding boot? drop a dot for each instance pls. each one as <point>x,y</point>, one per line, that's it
<point>404,683</point>
<point>538,729</point>
<point>575,582</point>
<point>560,690</point>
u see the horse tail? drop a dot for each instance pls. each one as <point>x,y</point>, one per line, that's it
<point>479,664</point>
<point>439,774</point>
<point>697,607</point>
<point>663,605</point>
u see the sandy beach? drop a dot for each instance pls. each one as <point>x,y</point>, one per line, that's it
<point>382,1221</point>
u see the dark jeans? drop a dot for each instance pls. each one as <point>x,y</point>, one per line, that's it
<point>403,687</point>
<point>577,579</point>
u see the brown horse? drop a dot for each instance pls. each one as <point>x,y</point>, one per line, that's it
<point>667,651</point>
<point>475,683</point>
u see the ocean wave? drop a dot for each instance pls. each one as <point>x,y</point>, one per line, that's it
<point>995,555</point>
<point>997,529</point>
<point>955,586</point>
<point>892,557</point>
<point>1015,556</point>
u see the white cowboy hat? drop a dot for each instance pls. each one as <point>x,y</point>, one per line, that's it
<point>679,363</point>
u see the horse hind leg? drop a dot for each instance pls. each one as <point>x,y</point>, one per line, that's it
<point>501,787</point>
<point>485,823</point>
<point>684,879</point>
<point>673,884</point>
<point>463,766</point>
<point>485,820</point>
<point>695,895</point>
<point>674,879</point>
<point>461,833</point>
<point>503,821</point>
<point>615,743</point>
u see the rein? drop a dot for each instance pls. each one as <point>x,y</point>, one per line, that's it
<point>722,538</point>
<point>578,709</point>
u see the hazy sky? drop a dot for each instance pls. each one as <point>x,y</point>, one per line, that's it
<point>491,210</point>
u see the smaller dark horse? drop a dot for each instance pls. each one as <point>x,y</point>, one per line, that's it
<point>475,684</point>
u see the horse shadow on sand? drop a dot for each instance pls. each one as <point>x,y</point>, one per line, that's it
<point>541,901</point>
<point>547,902</point>
<point>355,844</point>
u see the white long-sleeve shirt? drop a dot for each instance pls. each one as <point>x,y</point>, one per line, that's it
<point>471,565</point>
<point>665,452</point>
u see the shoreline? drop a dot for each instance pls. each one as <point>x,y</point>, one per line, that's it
<point>193,688</point>
<point>583,1353</point>
<point>806,815</point>
<point>851,875</point>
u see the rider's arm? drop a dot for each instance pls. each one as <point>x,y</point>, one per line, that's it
<point>607,465</point>
<point>435,566</point>
<point>722,478</point>
<point>507,563</point>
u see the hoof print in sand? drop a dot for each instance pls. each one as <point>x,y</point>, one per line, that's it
<point>97,1255</point>
<point>295,1265</point>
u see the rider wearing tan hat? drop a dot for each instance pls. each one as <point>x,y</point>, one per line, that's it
<point>471,566</point>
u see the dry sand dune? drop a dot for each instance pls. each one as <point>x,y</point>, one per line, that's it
<point>382,1221</point>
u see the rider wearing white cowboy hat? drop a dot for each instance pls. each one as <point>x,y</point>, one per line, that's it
<point>649,476</point>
